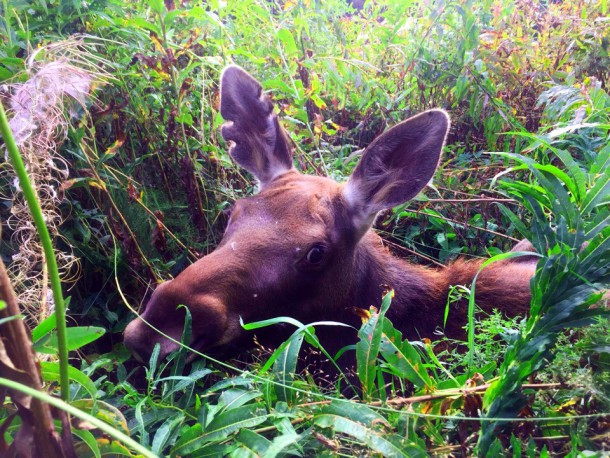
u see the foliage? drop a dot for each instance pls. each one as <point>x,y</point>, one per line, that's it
<point>150,178</point>
<point>570,279</point>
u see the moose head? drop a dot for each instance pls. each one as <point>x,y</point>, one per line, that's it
<point>302,246</point>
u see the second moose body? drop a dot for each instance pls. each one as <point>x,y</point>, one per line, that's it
<point>303,246</point>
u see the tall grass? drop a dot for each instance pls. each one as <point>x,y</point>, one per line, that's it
<point>149,170</point>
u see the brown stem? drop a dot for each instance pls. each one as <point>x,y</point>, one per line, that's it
<point>482,199</point>
<point>465,225</point>
<point>448,393</point>
<point>18,363</point>
<point>462,392</point>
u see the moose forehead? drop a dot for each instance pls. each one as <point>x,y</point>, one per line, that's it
<point>307,205</point>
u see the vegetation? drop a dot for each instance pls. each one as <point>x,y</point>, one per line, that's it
<point>135,179</point>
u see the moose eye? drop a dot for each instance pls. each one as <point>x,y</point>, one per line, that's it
<point>316,255</point>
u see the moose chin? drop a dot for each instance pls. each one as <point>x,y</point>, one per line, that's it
<point>303,246</point>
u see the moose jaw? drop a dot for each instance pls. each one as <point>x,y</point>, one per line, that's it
<point>303,245</point>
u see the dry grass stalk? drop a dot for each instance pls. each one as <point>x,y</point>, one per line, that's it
<point>59,84</point>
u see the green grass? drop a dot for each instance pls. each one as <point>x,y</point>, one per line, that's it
<point>150,178</point>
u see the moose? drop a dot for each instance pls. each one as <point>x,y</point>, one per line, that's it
<point>303,246</point>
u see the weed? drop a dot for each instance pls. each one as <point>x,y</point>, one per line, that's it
<point>149,179</point>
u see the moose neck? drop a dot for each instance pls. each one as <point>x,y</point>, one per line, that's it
<point>420,292</point>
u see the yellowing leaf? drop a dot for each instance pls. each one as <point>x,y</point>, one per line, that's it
<point>157,42</point>
<point>97,184</point>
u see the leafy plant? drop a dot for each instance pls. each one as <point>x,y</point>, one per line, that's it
<point>569,280</point>
<point>149,178</point>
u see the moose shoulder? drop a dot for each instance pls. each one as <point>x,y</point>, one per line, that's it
<point>302,247</point>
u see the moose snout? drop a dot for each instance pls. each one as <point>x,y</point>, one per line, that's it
<point>133,341</point>
<point>163,323</point>
<point>140,340</point>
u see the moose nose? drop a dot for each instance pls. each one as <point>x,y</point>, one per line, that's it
<point>140,339</point>
<point>134,343</point>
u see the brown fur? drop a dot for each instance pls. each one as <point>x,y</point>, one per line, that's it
<point>267,263</point>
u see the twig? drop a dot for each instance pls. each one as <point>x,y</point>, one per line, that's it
<point>481,199</point>
<point>464,225</point>
<point>408,250</point>
<point>448,393</point>
<point>18,363</point>
<point>464,392</point>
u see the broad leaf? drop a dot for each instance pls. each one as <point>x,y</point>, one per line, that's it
<point>50,373</point>
<point>365,425</point>
<point>220,427</point>
<point>77,337</point>
<point>368,345</point>
<point>402,358</point>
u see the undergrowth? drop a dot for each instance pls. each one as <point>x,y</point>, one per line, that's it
<point>150,177</point>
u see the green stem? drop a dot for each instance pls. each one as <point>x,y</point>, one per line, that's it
<point>101,425</point>
<point>31,198</point>
<point>7,27</point>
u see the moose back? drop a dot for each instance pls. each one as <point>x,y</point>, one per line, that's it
<point>303,245</point>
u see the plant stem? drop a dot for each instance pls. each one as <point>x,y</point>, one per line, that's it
<point>109,429</point>
<point>18,353</point>
<point>32,199</point>
<point>7,26</point>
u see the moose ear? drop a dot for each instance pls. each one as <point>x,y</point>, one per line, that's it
<point>258,143</point>
<point>396,166</point>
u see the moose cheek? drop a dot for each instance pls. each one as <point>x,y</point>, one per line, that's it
<point>211,323</point>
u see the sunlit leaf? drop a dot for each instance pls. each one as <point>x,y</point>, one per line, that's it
<point>220,427</point>
<point>77,337</point>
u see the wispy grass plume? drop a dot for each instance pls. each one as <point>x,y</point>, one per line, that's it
<point>59,84</point>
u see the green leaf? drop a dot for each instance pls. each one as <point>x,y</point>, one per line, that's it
<point>236,397</point>
<point>402,358</point>
<point>178,357</point>
<point>253,441</point>
<point>220,427</point>
<point>270,322</point>
<point>306,330</point>
<point>597,224</point>
<point>47,325</point>
<point>574,170</point>
<point>288,42</point>
<point>168,430</point>
<point>367,348</point>
<point>599,194</point>
<point>279,444</point>
<point>12,61</point>
<point>144,24</point>
<point>89,440</point>
<point>156,6</point>
<point>50,373</point>
<point>184,381</point>
<point>461,86</point>
<point>365,425</point>
<point>602,161</point>
<point>77,337</point>
<point>188,441</point>
<point>214,451</point>
<point>104,412</point>
<point>514,219</point>
<point>285,367</point>
<point>518,189</point>
<point>567,282</point>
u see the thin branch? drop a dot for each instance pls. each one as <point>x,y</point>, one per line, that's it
<point>482,199</point>
<point>449,393</point>
<point>465,392</point>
